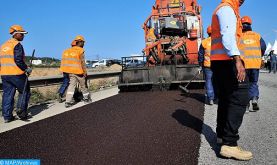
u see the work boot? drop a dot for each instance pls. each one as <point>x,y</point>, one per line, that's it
<point>9,120</point>
<point>211,102</point>
<point>87,100</point>
<point>25,118</point>
<point>235,152</point>
<point>60,98</point>
<point>255,105</point>
<point>68,104</point>
<point>23,115</point>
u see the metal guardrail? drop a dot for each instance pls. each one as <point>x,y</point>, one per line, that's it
<point>55,80</point>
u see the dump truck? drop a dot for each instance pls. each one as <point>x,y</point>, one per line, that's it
<point>173,34</point>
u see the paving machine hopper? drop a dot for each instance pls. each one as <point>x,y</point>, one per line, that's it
<point>173,34</point>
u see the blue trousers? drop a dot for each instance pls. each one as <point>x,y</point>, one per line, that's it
<point>65,84</point>
<point>10,84</point>
<point>253,75</point>
<point>209,85</point>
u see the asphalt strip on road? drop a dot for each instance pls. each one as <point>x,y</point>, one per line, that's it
<point>129,128</point>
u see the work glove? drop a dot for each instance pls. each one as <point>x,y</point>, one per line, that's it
<point>28,71</point>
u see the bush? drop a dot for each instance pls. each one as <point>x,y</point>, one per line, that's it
<point>36,97</point>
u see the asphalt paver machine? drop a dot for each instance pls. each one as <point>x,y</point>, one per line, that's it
<point>173,34</point>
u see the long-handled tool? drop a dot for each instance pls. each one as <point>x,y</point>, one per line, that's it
<point>19,111</point>
<point>185,88</point>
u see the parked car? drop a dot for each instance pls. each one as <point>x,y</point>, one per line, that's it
<point>106,62</point>
<point>115,61</point>
<point>89,63</point>
<point>134,63</point>
<point>100,63</point>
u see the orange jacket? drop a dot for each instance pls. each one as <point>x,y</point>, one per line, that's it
<point>217,50</point>
<point>151,35</point>
<point>206,43</point>
<point>8,65</point>
<point>73,61</point>
<point>252,55</point>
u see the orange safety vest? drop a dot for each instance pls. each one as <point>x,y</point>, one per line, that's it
<point>252,55</point>
<point>217,51</point>
<point>8,65</point>
<point>151,35</point>
<point>206,43</point>
<point>72,61</point>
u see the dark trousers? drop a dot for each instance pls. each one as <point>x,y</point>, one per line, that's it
<point>65,84</point>
<point>273,66</point>
<point>253,75</point>
<point>268,66</point>
<point>10,84</point>
<point>208,84</point>
<point>233,97</point>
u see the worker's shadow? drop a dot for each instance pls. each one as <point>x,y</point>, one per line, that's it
<point>37,109</point>
<point>187,120</point>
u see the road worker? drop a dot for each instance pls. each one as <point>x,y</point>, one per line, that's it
<point>273,61</point>
<point>205,62</point>
<point>13,73</point>
<point>73,63</point>
<point>231,81</point>
<point>151,37</point>
<point>253,49</point>
<point>65,83</point>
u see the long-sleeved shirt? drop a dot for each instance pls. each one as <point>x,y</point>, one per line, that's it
<point>228,24</point>
<point>83,61</point>
<point>19,57</point>
<point>263,46</point>
<point>201,54</point>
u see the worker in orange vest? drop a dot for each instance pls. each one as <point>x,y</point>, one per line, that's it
<point>151,37</point>
<point>66,80</point>
<point>73,63</point>
<point>205,62</point>
<point>253,49</point>
<point>13,69</point>
<point>230,78</point>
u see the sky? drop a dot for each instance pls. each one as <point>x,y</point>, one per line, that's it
<point>112,29</point>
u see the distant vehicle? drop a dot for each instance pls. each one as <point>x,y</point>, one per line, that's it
<point>106,62</point>
<point>89,63</point>
<point>134,63</point>
<point>115,61</point>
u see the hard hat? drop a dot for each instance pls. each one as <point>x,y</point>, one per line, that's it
<point>209,30</point>
<point>17,29</point>
<point>79,38</point>
<point>246,19</point>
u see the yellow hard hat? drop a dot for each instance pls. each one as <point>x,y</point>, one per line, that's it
<point>17,29</point>
<point>79,38</point>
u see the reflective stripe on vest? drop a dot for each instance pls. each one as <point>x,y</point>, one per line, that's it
<point>218,51</point>
<point>72,60</point>
<point>7,62</point>
<point>6,56</point>
<point>252,56</point>
<point>71,65</point>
